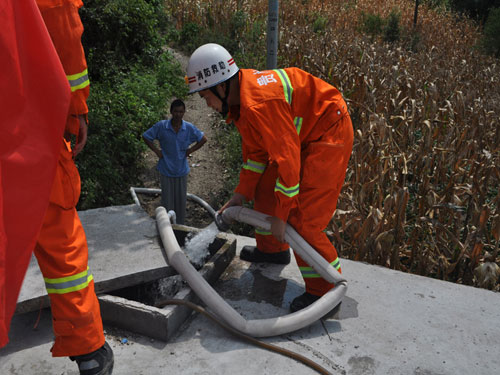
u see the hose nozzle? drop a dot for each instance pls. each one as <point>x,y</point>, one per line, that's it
<point>222,225</point>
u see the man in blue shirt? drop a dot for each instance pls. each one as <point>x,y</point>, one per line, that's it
<point>176,137</point>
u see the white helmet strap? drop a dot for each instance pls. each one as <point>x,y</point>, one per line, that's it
<point>225,106</point>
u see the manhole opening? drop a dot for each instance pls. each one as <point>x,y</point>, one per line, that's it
<point>152,292</point>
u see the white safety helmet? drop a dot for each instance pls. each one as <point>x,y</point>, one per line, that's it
<point>208,66</point>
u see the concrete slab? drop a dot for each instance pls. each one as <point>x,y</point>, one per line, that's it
<point>123,250</point>
<point>140,312</point>
<point>389,323</point>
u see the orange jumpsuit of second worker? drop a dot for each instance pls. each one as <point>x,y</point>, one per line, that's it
<point>61,248</point>
<point>298,124</point>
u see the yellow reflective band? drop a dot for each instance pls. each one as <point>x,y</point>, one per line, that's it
<point>71,289</point>
<point>287,85</point>
<point>336,264</point>
<point>289,192</point>
<point>67,278</point>
<point>310,273</point>
<point>298,123</point>
<point>262,232</point>
<point>254,166</point>
<point>68,284</point>
<point>78,81</point>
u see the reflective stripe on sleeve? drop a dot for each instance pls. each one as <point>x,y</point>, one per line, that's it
<point>78,81</point>
<point>68,284</point>
<point>309,272</point>
<point>262,232</point>
<point>254,166</point>
<point>298,123</point>
<point>288,191</point>
<point>287,84</point>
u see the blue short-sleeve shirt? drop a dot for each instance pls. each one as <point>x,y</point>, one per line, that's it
<point>173,146</point>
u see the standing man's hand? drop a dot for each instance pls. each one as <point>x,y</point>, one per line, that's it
<point>82,136</point>
<point>153,148</point>
<point>278,227</point>
<point>196,146</point>
<point>236,200</point>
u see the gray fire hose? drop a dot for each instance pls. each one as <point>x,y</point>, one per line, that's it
<point>259,327</point>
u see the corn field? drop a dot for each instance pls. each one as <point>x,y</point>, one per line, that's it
<point>422,188</point>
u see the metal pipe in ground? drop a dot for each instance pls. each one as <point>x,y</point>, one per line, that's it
<point>192,197</point>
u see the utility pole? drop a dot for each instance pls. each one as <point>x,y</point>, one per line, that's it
<point>272,35</point>
<point>415,15</point>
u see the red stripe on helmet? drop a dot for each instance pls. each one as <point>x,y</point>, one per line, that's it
<point>230,62</point>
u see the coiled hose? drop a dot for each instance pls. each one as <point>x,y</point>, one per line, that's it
<point>274,348</point>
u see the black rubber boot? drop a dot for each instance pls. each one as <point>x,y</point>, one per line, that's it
<point>252,254</point>
<point>306,299</point>
<point>99,362</point>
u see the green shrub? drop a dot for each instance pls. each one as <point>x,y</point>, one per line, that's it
<point>229,136</point>
<point>237,24</point>
<point>121,32</point>
<point>436,4</point>
<point>320,23</point>
<point>132,81</point>
<point>120,111</point>
<point>491,33</point>
<point>392,28</point>
<point>230,140</point>
<point>374,25</point>
<point>371,24</point>
<point>414,41</point>
<point>190,37</point>
<point>478,9</point>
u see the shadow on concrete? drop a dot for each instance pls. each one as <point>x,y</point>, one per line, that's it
<point>28,331</point>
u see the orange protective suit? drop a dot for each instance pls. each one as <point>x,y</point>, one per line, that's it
<point>32,126</point>
<point>61,249</point>
<point>298,124</point>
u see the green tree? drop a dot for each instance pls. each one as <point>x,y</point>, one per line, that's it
<point>392,29</point>
<point>491,33</point>
<point>119,33</point>
<point>478,9</point>
<point>132,80</point>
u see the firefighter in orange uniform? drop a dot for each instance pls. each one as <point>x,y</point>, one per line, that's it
<point>294,123</point>
<point>61,249</point>
<point>32,126</point>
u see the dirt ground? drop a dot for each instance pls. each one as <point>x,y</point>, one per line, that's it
<point>206,178</point>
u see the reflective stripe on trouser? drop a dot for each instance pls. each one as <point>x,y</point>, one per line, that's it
<point>324,167</point>
<point>309,272</point>
<point>62,255</point>
<point>265,202</point>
